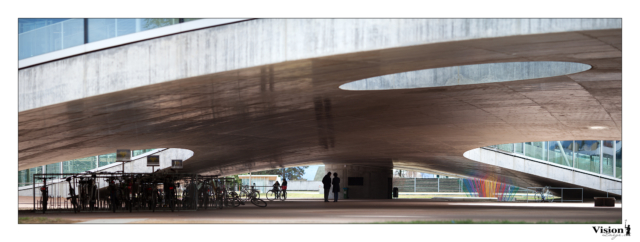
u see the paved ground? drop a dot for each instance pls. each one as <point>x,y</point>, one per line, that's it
<point>360,211</point>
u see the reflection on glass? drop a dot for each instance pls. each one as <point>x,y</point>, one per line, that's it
<point>25,177</point>
<point>619,159</point>
<point>79,165</point>
<point>40,36</point>
<point>506,147</point>
<point>607,157</point>
<point>561,152</point>
<point>535,150</point>
<point>107,159</point>
<point>139,152</point>
<point>518,147</point>
<point>52,168</point>
<point>588,155</point>
<point>100,29</point>
<point>190,19</point>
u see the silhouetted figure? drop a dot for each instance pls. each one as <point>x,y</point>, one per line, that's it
<point>336,186</point>
<point>629,230</point>
<point>326,181</point>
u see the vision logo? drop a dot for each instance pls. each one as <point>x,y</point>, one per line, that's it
<point>613,232</point>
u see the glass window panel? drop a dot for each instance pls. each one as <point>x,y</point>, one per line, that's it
<point>61,35</point>
<point>607,157</point>
<point>518,147</point>
<point>23,178</point>
<point>190,19</point>
<point>107,159</point>
<point>534,150</point>
<point>50,37</point>
<point>506,147</point>
<point>28,24</point>
<point>619,159</point>
<point>101,28</point>
<point>588,155</point>
<point>152,23</point>
<point>53,168</point>
<point>79,165</point>
<point>560,152</point>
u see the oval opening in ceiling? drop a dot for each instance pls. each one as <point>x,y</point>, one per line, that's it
<point>466,75</point>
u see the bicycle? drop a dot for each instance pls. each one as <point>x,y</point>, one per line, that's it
<point>273,194</point>
<point>280,194</point>
<point>245,193</point>
<point>72,196</point>
<point>256,201</point>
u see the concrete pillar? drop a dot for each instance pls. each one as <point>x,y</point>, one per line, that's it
<point>376,181</point>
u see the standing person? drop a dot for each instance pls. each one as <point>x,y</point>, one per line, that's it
<point>284,188</point>
<point>326,181</point>
<point>276,189</point>
<point>336,186</point>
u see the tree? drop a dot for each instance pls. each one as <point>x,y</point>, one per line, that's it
<point>291,173</point>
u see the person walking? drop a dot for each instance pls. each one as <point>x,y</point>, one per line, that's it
<point>326,181</point>
<point>336,186</point>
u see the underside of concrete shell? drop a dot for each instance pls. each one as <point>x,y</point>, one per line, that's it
<point>265,93</point>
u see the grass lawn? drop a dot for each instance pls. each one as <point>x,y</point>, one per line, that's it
<point>495,222</point>
<point>42,220</point>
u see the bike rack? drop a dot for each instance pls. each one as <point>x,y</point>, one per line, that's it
<point>94,189</point>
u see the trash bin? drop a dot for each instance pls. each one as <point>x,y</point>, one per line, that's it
<point>346,195</point>
<point>395,192</point>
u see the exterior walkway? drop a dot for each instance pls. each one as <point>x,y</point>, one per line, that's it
<point>361,211</point>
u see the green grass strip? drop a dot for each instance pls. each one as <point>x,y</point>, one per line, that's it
<point>42,220</point>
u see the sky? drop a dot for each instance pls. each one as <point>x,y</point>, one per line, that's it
<point>310,172</point>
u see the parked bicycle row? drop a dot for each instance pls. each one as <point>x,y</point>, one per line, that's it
<point>128,192</point>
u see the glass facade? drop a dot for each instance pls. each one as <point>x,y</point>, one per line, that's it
<point>106,28</point>
<point>40,36</point>
<point>561,152</point>
<point>72,166</point>
<point>618,170</point>
<point>37,36</point>
<point>505,147</point>
<point>588,155</point>
<point>597,156</point>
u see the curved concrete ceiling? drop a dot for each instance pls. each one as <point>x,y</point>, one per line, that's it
<point>294,113</point>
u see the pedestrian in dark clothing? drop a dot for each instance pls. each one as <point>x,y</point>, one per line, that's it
<point>336,186</point>
<point>326,181</point>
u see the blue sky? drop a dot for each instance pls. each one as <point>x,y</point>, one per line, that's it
<point>310,172</point>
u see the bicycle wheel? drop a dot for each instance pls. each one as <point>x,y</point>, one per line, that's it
<point>259,202</point>
<point>243,196</point>
<point>271,195</point>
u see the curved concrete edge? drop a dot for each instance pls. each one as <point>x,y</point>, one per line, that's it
<point>138,164</point>
<point>126,39</point>
<point>255,43</point>
<point>546,169</point>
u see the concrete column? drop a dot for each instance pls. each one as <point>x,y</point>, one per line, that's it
<point>376,181</point>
